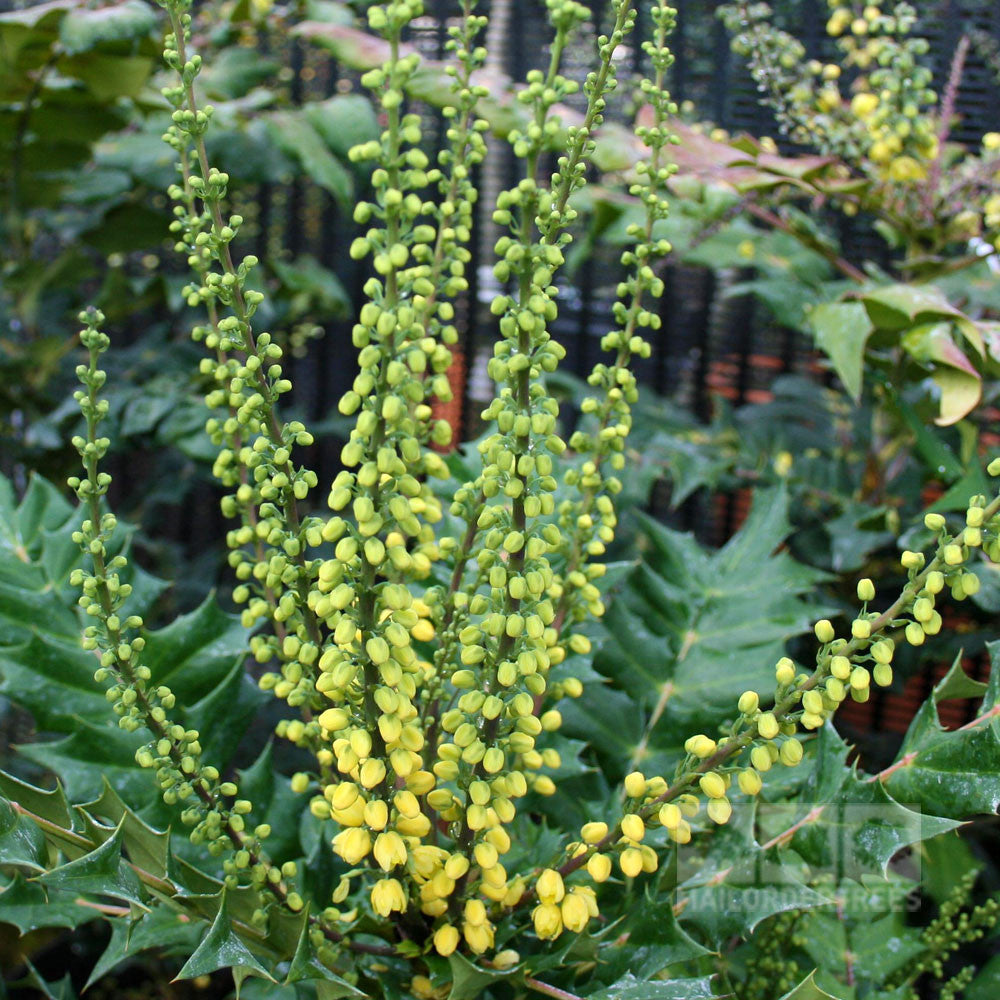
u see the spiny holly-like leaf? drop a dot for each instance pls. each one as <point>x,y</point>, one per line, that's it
<point>22,843</point>
<point>92,755</point>
<point>147,848</point>
<point>220,948</point>
<point>54,680</point>
<point>29,907</point>
<point>101,872</point>
<point>49,804</point>
<point>631,988</point>
<point>808,990</point>
<point>469,980</point>
<point>847,824</point>
<point>953,773</point>
<point>692,629</point>
<point>654,940</point>
<point>162,929</point>
<point>305,966</point>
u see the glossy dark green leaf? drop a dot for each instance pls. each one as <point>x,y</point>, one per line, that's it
<point>147,847</point>
<point>847,824</point>
<point>196,651</point>
<point>688,633</point>
<point>305,966</point>
<point>220,948</point>
<point>469,980</point>
<point>953,773</point>
<point>92,754</point>
<point>631,988</point>
<point>101,872</point>
<point>84,28</point>
<point>296,136</point>
<point>29,907</point>
<point>49,804</point>
<point>654,941</point>
<point>54,680</point>
<point>22,843</point>
<point>842,330</point>
<point>808,990</point>
<point>343,121</point>
<point>163,930</point>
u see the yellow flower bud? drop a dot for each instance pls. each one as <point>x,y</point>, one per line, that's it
<point>633,827</point>
<point>547,918</point>
<point>446,939</point>
<point>630,862</point>
<point>790,753</point>
<point>719,811</point>
<point>866,590</point>
<point>784,671</point>
<point>635,785</point>
<point>767,726</point>
<point>713,785</point>
<point>749,782</point>
<point>591,833</point>
<point>599,867</point>
<point>824,630</point>
<point>550,887</point>
<point>575,913</point>
<point>748,703</point>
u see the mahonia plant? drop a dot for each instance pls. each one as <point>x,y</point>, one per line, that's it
<point>416,664</point>
<point>874,107</point>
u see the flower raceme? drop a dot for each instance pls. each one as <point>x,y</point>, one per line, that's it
<point>425,706</point>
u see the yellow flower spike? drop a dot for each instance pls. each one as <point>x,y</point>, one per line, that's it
<point>485,854</point>
<point>700,746</point>
<point>633,827</point>
<point>506,959</point>
<point>387,896</point>
<point>550,887</point>
<point>423,631</point>
<point>334,719</point>
<point>630,862</point>
<point>599,867</point>
<point>690,804</point>
<point>860,678</point>
<point>574,912</point>
<point>547,919</point>
<point>863,105</point>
